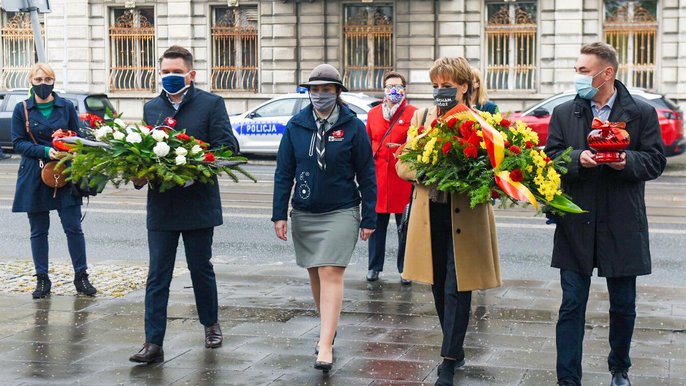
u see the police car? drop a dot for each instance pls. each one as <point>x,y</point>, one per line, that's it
<point>260,129</point>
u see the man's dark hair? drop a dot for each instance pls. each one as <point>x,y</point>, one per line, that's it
<point>393,74</point>
<point>602,51</point>
<point>175,52</point>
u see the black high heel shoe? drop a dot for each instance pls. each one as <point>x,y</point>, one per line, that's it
<point>316,347</point>
<point>325,367</point>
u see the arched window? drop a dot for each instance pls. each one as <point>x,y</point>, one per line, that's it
<point>631,28</point>
<point>511,45</point>
<point>132,50</point>
<point>18,50</point>
<point>234,48</point>
<point>367,45</point>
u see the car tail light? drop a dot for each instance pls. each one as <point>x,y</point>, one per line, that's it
<point>672,115</point>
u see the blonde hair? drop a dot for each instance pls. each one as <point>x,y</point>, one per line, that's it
<point>481,92</point>
<point>457,70</point>
<point>41,67</point>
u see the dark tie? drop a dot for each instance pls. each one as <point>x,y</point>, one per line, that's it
<point>320,143</point>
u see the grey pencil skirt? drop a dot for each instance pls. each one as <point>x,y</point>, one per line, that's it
<point>325,239</point>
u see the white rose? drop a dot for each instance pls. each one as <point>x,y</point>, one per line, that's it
<point>119,122</point>
<point>196,149</point>
<point>180,159</point>
<point>161,149</point>
<point>159,135</point>
<point>181,151</point>
<point>102,132</point>
<point>144,130</point>
<point>118,135</point>
<point>134,138</point>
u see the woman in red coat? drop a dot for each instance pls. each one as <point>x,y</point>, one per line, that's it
<point>387,125</point>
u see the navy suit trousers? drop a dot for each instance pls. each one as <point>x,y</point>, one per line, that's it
<point>570,324</point>
<point>377,243</point>
<point>163,245</point>
<point>70,217</point>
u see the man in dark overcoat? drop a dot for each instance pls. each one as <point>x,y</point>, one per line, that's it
<point>612,235</point>
<point>191,211</point>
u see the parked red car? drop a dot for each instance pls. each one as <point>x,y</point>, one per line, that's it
<point>670,116</point>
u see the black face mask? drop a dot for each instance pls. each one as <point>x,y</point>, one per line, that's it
<point>43,90</point>
<point>445,98</point>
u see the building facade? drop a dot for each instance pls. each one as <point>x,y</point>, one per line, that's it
<point>250,51</point>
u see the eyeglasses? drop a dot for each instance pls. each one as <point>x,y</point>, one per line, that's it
<point>398,87</point>
<point>46,80</point>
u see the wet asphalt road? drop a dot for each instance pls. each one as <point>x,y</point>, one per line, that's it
<point>115,229</point>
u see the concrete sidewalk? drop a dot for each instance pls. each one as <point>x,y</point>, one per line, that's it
<point>388,335</point>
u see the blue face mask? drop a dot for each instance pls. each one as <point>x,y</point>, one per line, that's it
<point>584,85</point>
<point>173,84</point>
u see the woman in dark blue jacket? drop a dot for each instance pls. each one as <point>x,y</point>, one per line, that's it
<point>47,113</point>
<point>324,151</point>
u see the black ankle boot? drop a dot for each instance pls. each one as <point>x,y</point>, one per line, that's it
<point>447,373</point>
<point>83,285</point>
<point>43,286</point>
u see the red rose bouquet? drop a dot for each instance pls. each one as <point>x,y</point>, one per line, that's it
<point>487,157</point>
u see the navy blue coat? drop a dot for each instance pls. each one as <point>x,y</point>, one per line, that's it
<point>197,206</point>
<point>348,158</point>
<point>488,106</point>
<point>31,194</point>
<point>613,235</point>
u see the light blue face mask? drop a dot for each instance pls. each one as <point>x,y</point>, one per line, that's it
<point>584,85</point>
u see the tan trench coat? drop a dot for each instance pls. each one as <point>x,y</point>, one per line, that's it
<point>477,262</point>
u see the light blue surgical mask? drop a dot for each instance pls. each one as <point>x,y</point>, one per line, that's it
<point>584,85</point>
<point>173,84</point>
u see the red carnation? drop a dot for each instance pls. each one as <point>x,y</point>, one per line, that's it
<point>516,175</point>
<point>452,122</point>
<point>169,121</point>
<point>466,130</point>
<point>515,149</point>
<point>456,138</point>
<point>94,120</point>
<point>529,145</point>
<point>547,159</point>
<point>494,194</point>
<point>446,147</point>
<point>420,130</point>
<point>434,122</point>
<point>209,157</point>
<point>470,152</point>
<point>183,137</point>
<point>506,143</point>
<point>150,127</point>
<point>505,123</point>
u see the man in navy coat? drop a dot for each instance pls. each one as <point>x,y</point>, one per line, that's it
<point>191,211</point>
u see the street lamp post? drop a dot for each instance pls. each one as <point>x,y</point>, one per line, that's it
<point>35,24</point>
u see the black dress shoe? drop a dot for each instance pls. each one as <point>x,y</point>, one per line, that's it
<point>372,275</point>
<point>213,336</point>
<point>150,353</point>
<point>323,366</point>
<point>620,378</point>
<point>43,285</point>
<point>458,364</point>
<point>83,285</point>
<point>405,282</point>
<point>4,156</point>
<point>565,383</point>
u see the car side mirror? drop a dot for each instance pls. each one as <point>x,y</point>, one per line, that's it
<point>253,114</point>
<point>540,112</point>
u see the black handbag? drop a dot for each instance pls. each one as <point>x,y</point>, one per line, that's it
<point>405,221</point>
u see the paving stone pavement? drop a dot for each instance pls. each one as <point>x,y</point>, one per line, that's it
<point>388,335</point>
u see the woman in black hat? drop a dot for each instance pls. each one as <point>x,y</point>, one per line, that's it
<point>326,152</point>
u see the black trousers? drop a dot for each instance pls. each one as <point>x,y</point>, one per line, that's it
<point>569,333</point>
<point>453,307</point>
<point>162,246</point>
<point>377,243</point>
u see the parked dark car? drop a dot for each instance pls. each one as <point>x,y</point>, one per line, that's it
<point>668,114</point>
<point>87,105</point>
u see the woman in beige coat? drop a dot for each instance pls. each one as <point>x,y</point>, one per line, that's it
<point>462,254</point>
